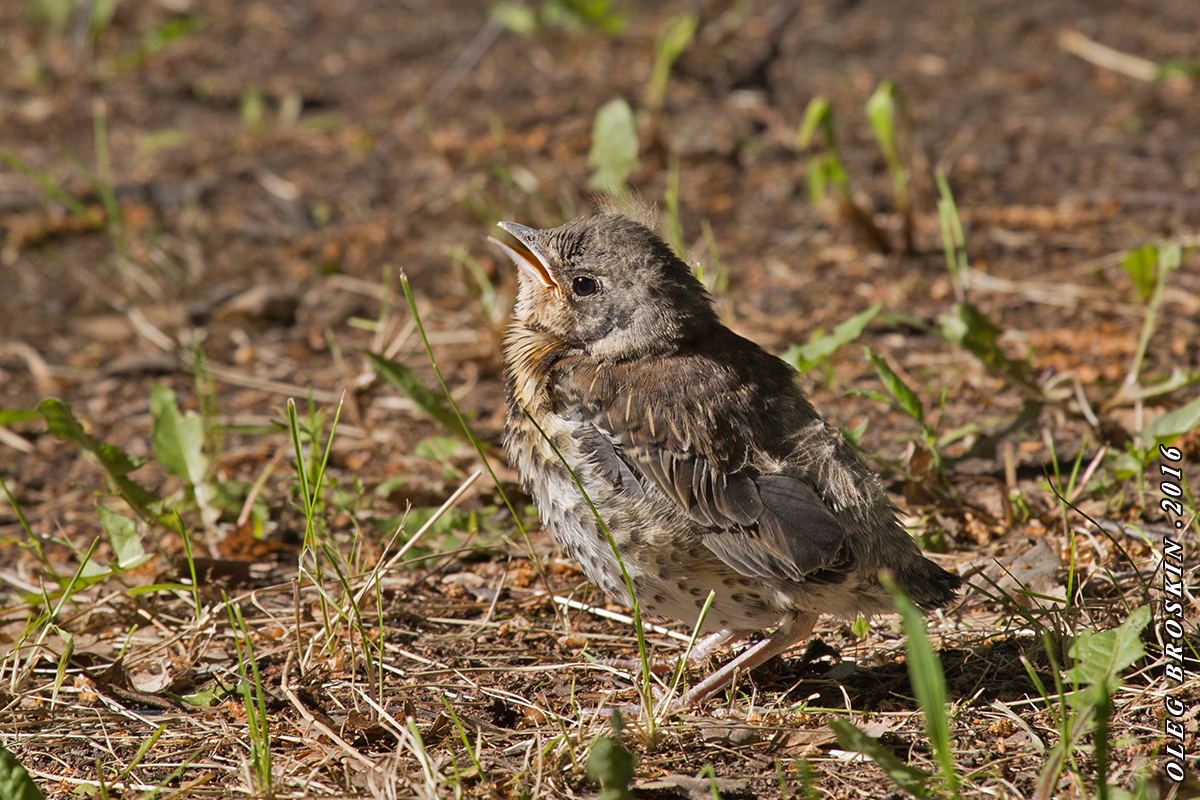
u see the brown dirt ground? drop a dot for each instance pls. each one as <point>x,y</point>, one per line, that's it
<point>269,236</point>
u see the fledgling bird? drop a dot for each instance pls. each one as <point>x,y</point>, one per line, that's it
<point>699,450</point>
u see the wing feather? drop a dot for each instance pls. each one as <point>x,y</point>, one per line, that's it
<point>765,525</point>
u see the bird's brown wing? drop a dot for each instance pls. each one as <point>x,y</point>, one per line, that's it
<point>765,526</point>
<point>795,536</point>
<point>762,525</point>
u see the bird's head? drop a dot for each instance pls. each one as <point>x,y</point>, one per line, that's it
<point>608,285</point>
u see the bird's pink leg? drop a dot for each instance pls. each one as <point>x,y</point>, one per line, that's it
<point>711,643</point>
<point>793,630</point>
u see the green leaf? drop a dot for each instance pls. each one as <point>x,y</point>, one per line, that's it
<point>9,416</point>
<point>579,14</point>
<point>1170,258</point>
<point>123,538</point>
<point>1125,464</point>
<point>63,424</point>
<point>861,627</point>
<point>15,781</point>
<point>611,765</point>
<point>971,330</point>
<point>855,434</point>
<point>953,239</point>
<point>677,34</point>
<point>436,448</point>
<point>178,438</point>
<point>816,113</point>
<point>1101,656</point>
<point>816,181</point>
<point>205,698</point>
<point>389,485</point>
<point>601,13</point>
<point>614,151</point>
<point>906,398</point>
<point>928,682</point>
<point>910,779</point>
<point>870,394</point>
<point>93,571</point>
<point>881,113</point>
<point>517,17</point>
<point>805,357</point>
<point>836,174</point>
<point>1173,424</point>
<point>431,402</point>
<point>1141,264</point>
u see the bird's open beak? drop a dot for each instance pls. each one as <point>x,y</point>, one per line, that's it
<point>526,255</point>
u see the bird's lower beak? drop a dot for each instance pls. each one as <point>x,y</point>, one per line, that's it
<point>525,255</point>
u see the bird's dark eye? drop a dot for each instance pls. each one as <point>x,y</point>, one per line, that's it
<point>583,286</point>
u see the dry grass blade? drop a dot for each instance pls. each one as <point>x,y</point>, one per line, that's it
<point>290,694</point>
<point>15,441</point>
<point>616,616</point>
<point>451,501</point>
<point>1107,58</point>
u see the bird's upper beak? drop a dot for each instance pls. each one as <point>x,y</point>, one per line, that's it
<point>527,255</point>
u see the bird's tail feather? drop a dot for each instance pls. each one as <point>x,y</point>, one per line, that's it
<point>929,585</point>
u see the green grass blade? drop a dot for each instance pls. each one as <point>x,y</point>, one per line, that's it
<point>882,107</point>
<point>633,601</point>
<point>908,778</point>
<point>953,239</point>
<point>905,397</point>
<point>677,34</point>
<point>819,348</point>
<point>34,543</point>
<point>672,227</point>
<point>429,401</point>
<point>928,682</point>
<point>816,114</point>
<point>46,185</point>
<point>479,448</point>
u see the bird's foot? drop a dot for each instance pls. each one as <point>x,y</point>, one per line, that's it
<point>798,628</point>
<point>666,701</point>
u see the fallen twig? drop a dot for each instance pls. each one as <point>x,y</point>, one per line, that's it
<point>1134,67</point>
